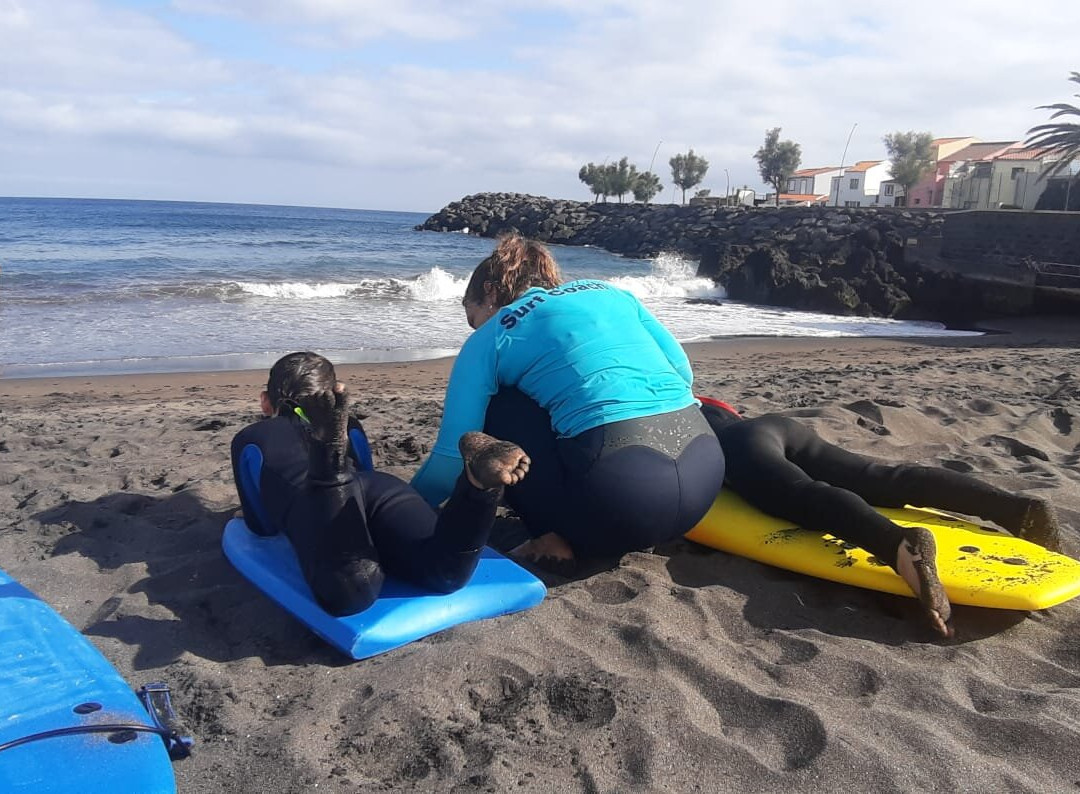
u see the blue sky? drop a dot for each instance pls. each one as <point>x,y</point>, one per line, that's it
<point>413,104</point>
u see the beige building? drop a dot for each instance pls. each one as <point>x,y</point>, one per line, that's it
<point>996,175</point>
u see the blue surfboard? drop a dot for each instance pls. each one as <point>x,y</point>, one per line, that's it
<point>401,614</point>
<point>68,721</point>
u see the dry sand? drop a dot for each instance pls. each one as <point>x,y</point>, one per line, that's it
<point>680,670</point>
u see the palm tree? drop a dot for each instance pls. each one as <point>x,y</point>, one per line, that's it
<point>1062,138</point>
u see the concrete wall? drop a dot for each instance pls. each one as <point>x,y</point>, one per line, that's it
<point>1012,237</point>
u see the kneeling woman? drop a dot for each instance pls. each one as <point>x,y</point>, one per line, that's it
<point>350,526</point>
<point>596,391</point>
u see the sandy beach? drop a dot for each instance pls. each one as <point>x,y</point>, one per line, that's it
<point>684,669</point>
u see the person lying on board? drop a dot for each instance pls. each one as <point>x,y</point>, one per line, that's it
<point>783,468</point>
<point>351,527</point>
<point>596,391</point>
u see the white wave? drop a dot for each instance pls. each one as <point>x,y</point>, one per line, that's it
<point>670,276</point>
<point>294,290</point>
<point>435,285</point>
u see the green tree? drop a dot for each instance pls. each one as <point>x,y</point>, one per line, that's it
<point>646,187</point>
<point>595,178</point>
<point>777,161</point>
<point>911,154</point>
<point>703,193</point>
<point>621,177</point>
<point>687,170</point>
<point>1061,138</point>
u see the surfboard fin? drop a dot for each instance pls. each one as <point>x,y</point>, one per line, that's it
<point>157,701</point>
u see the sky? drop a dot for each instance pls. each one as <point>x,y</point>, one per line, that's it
<point>412,104</point>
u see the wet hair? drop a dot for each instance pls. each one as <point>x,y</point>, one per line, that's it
<point>514,266</point>
<point>297,376</point>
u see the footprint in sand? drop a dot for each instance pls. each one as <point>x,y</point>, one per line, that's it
<point>612,592</point>
<point>867,410</point>
<point>1063,421</point>
<point>579,701</point>
<point>779,733</point>
<point>988,698</point>
<point>983,406</point>
<point>794,650</point>
<point>211,425</point>
<point>571,699</point>
<point>877,429</point>
<point>1015,447</point>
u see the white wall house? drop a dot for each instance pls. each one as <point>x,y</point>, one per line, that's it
<point>890,194</point>
<point>809,186</point>
<point>859,185</point>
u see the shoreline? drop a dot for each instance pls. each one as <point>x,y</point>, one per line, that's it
<point>243,362</point>
<point>670,670</point>
<point>1022,330</point>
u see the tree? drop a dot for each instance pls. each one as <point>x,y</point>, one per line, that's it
<point>703,193</point>
<point>1062,138</point>
<point>621,177</point>
<point>911,154</point>
<point>646,187</point>
<point>595,177</point>
<point>687,170</point>
<point>777,161</point>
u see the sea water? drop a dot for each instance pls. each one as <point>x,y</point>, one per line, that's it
<point>104,286</point>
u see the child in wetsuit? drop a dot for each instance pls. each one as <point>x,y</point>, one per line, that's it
<point>350,527</point>
<point>785,469</point>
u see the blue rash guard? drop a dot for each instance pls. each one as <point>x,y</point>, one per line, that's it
<point>588,352</point>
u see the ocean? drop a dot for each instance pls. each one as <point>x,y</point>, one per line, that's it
<point>94,286</point>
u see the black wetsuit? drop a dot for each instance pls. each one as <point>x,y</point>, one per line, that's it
<point>345,545</point>
<point>616,488</point>
<point>786,470</point>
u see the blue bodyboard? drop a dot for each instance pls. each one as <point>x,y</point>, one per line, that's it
<point>402,613</point>
<point>56,692</point>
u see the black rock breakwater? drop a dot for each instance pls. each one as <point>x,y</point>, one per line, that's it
<point>833,259</point>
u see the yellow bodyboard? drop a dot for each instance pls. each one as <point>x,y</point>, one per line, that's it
<point>977,565</point>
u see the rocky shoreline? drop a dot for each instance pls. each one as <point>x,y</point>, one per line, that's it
<point>840,260</point>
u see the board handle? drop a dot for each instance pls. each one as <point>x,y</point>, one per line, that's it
<point>157,701</point>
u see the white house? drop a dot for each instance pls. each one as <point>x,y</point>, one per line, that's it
<point>859,185</point>
<point>890,194</point>
<point>809,186</point>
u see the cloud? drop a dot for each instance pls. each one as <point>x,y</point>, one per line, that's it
<point>336,23</point>
<point>501,95</point>
<point>78,45</point>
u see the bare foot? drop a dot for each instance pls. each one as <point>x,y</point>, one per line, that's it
<point>327,415</point>
<point>491,463</point>
<point>1039,525</point>
<point>916,562</point>
<point>550,552</point>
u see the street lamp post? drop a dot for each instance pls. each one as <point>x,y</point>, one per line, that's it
<point>653,160</point>
<point>727,187</point>
<point>843,157</point>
